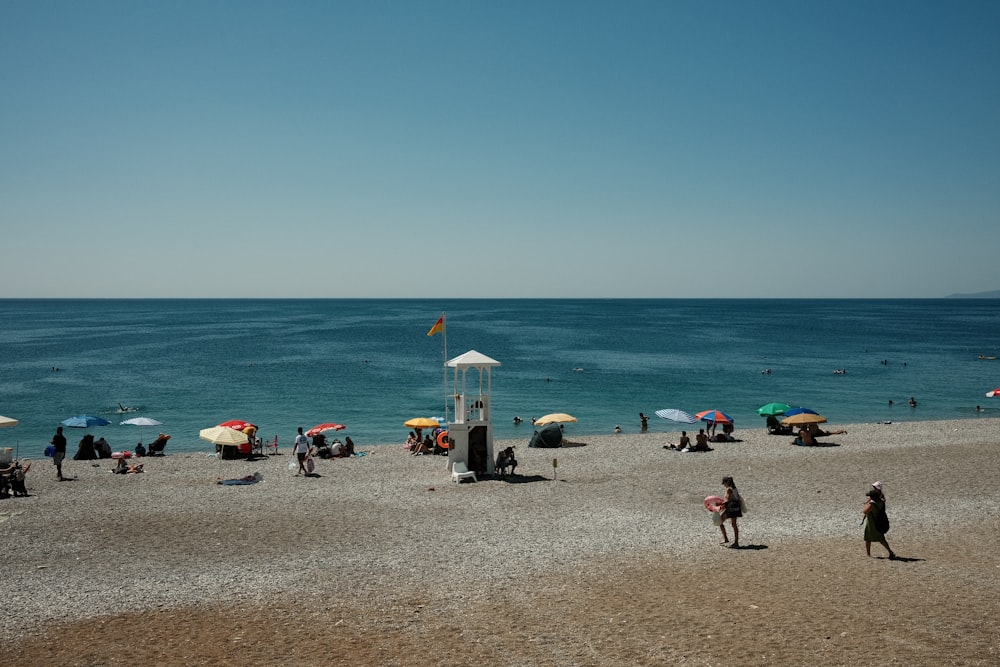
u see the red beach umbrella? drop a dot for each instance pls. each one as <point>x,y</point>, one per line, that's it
<point>238,424</point>
<point>323,428</point>
<point>994,393</point>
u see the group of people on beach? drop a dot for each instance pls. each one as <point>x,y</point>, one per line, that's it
<point>702,439</point>
<point>305,452</point>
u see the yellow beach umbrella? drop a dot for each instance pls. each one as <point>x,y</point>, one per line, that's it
<point>422,422</point>
<point>554,418</point>
<point>803,418</point>
<point>223,435</point>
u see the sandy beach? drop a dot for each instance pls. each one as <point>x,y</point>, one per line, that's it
<point>608,558</point>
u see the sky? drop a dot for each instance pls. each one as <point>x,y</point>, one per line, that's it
<point>479,149</point>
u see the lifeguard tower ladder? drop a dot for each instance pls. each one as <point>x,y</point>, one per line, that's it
<point>471,431</point>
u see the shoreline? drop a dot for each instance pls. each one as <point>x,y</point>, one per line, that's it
<point>371,529</point>
<point>202,447</point>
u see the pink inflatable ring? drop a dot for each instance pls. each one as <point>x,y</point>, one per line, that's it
<point>714,504</point>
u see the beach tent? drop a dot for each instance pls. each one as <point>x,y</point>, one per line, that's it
<point>547,436</point>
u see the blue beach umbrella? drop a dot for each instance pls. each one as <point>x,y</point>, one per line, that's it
<point>84,421</point>
<point>791,412</point>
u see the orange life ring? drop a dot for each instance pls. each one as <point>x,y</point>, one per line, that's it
<point>442,440</point>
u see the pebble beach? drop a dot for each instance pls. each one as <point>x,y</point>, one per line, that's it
<point>599,552</point>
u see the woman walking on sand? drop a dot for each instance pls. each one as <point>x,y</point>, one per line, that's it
<point>875,529</point>
<point>733,510</point>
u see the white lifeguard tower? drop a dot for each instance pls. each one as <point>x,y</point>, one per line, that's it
<point>471,430</point>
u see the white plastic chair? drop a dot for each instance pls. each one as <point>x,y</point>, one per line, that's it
<point>460,471</point>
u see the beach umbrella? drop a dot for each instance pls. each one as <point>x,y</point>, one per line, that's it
<point>773,409</point>
<point>141,422</point>
<point>422,422</point>
<point>676,416</point>
<point>238,424</point>
<point>989,394</point>
<point>803,418</point>
<point>325,428</point>
<point>791,412</point>
<point>6,422</point>
<point>84,421</point>
<point>554,418</point>
<point>223,435</point>
<point>717,416</point>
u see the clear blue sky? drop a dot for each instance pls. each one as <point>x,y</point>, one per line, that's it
<point>499,149</point>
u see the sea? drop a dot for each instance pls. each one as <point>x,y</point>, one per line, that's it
<point>369,363</point>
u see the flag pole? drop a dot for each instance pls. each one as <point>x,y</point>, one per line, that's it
<point>444,361</point>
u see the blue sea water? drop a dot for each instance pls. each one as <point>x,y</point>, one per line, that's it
<point>370,365</point>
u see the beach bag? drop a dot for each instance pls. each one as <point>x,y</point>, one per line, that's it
<point>310,465</point>
<point>293,463</point>
<point>743,505</point>
<point>716,518</point>
<point>881,522</point>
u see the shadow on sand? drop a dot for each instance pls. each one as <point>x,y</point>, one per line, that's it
<point>523,479</point>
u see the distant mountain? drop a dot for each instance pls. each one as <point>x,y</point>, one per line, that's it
<point>992,294</point>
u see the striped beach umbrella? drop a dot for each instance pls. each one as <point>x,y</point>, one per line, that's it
<point>676,416</point>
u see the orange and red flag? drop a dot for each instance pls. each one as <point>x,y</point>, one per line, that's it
<point>438,327</point>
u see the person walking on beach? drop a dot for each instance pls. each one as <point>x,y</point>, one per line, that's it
<point>876,521</point>
<point>301,451</point>
<point>733,510</point>
<point>59,443</point>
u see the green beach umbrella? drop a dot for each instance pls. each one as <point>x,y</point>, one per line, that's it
<point>773,409</point>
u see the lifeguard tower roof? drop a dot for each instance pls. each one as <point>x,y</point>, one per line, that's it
<point>471,359</point>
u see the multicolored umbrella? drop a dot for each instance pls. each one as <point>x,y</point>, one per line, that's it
<point>717,416</point>
<point>325,428</point>
<point>773,409</point>
<point>676,416</point>
<point>84,421</point>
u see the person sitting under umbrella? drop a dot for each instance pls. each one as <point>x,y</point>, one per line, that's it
<point>816,431</point>
<point>805,438</point>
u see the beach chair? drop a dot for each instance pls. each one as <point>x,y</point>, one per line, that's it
<point>157,446</point>
<point>257,447</point>
<point>271,446</point>
<point>460,471</point>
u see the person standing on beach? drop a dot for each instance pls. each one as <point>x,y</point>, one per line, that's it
<point>301,451</point>
<point>59,443</point>
<point>874,511</point>
<point>733,510</point>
